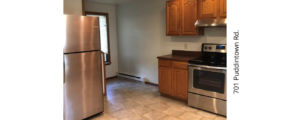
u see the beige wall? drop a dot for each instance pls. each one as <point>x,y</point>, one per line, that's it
<point>112,69</point>
<point>72,7</point>
<point>142,37</point>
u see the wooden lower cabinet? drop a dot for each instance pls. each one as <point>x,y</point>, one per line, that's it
<point>173,79</point>
<point>165,80</point>
<point>179,83</point>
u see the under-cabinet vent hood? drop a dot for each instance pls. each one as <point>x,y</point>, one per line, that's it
<point>211,22</point>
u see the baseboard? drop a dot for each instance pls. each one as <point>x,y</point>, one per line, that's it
<point>140,79</point>
<point>111,77</point>
<point>150,83</point>
<point>130,77</point>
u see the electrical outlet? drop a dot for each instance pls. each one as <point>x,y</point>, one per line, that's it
<point>185,46</point>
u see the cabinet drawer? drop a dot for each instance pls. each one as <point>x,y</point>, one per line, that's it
<point>166,63</point>
<point>182,65</point>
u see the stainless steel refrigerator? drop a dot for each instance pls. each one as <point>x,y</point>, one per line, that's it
<point>83,88</point>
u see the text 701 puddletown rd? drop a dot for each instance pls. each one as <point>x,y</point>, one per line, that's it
<point>236,63</point>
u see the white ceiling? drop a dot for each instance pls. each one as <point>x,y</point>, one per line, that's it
<point>110,1</point>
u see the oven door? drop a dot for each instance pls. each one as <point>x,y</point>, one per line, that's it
<point>208,81</point>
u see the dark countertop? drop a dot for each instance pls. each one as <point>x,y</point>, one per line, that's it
<point>183,56</point>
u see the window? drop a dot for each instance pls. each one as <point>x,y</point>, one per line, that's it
<point>104,33</point>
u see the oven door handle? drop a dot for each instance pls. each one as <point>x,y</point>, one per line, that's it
<point>210,67</point>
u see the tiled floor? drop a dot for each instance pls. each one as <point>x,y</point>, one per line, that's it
<point>131,100</point>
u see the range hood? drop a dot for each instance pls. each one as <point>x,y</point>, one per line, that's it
<point>211,22</point>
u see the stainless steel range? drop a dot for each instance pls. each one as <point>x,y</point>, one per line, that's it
<point>207,80</point>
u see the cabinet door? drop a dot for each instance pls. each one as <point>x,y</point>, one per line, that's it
<point>172,17</point>
<point>223,8</point>
<point>165,80</point>
<point>180,83</point>
<point>208,9</point>
<point>188,17</point>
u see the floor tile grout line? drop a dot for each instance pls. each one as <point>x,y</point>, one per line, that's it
<point>151,93</point>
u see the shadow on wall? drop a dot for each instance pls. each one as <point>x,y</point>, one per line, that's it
<point>163,18</point>
<point>188,39</point>
<point>211,34</point>
<point>216,31</point>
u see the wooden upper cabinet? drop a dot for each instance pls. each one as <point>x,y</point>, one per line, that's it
<point>188,17</point>
<point>165,80</point>
<point>208,9</point>
<point>181,16</point>
<point>223,8</point>
<point>172,17</point>
<point>180,83</point>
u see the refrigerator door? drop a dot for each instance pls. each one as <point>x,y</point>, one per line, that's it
<point>82,34</point>
<point>83,89</point>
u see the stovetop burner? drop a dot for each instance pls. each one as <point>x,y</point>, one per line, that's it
<point>209,63</point>
<point>212,55</point>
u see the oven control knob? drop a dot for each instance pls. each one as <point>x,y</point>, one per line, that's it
<point>209,48</point>
<point>205,47</point>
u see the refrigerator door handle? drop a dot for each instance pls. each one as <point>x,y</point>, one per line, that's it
<point>63,71</point>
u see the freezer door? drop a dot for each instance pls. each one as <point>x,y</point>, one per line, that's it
<point>82,34</point>
<point>83,88</point>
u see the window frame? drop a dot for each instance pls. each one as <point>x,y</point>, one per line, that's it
<point>108,56</point>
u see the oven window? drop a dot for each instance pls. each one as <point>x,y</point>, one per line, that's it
<point>210,81</point>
